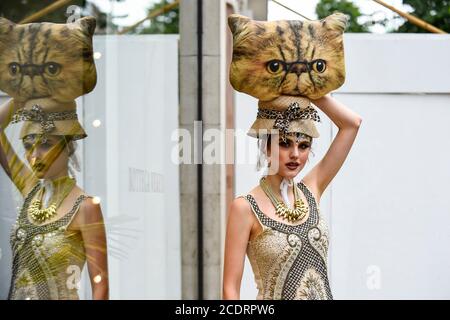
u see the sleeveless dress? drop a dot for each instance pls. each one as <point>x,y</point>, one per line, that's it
<point>47,259</point>
<point>290,262</point>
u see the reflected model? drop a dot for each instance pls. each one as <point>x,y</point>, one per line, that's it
<point>59,229</point>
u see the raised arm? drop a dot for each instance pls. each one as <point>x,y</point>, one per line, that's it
<point>239,226</point>
<point>348,123</point>
<point>14,167</point>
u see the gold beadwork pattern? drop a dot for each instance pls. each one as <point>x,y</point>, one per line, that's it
<point>290,261</point>
<point>42,255</point>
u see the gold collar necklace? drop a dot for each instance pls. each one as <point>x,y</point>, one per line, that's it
<point>281,209</point>
<point>62,187</point>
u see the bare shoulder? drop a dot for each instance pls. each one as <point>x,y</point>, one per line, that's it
<point>89,211</point>
<point>239,205</point>
<point>240,212</point>
<point>240,221</point>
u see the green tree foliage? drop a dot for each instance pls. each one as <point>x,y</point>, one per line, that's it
<point>164,23</point>
<point>16,10</point>
<point>326,7</point>
<point>435,12</point>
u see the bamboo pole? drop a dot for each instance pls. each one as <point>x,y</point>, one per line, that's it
<point>287,8</point>
<point>418,22</point>
<point>41,13</point>
<point>151,15</point>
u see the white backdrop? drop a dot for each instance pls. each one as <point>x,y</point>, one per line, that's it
<point>9,200</point>
<point>388,208</point>
<point>127,162</point>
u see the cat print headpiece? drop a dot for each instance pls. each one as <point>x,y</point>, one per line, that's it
<point>47,60</point>
<point>295,58</point>
<point>283,63</point>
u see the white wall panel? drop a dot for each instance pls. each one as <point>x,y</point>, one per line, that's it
<point>128,163</point>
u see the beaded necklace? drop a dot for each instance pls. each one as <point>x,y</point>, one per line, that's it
<point>292,215</point>
<point>62,186</point>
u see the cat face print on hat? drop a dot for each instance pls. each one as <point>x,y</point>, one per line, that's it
<point>287,58</point>
<point>47,60</point>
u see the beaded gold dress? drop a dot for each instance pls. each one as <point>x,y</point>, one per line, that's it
<point>47,259</point>
<point>290,261</point>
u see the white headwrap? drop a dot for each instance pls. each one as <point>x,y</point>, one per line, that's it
<point>74,162</point>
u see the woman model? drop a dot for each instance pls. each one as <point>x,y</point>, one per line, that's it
<point>287,65</point>
<point>287,247</point>
<point>59,227</point>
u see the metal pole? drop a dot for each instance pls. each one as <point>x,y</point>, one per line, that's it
<point>41,13</point>
<point>151,15</point>
<point>200,148</point>
<point>287,8</point>
<point>414,20</point>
